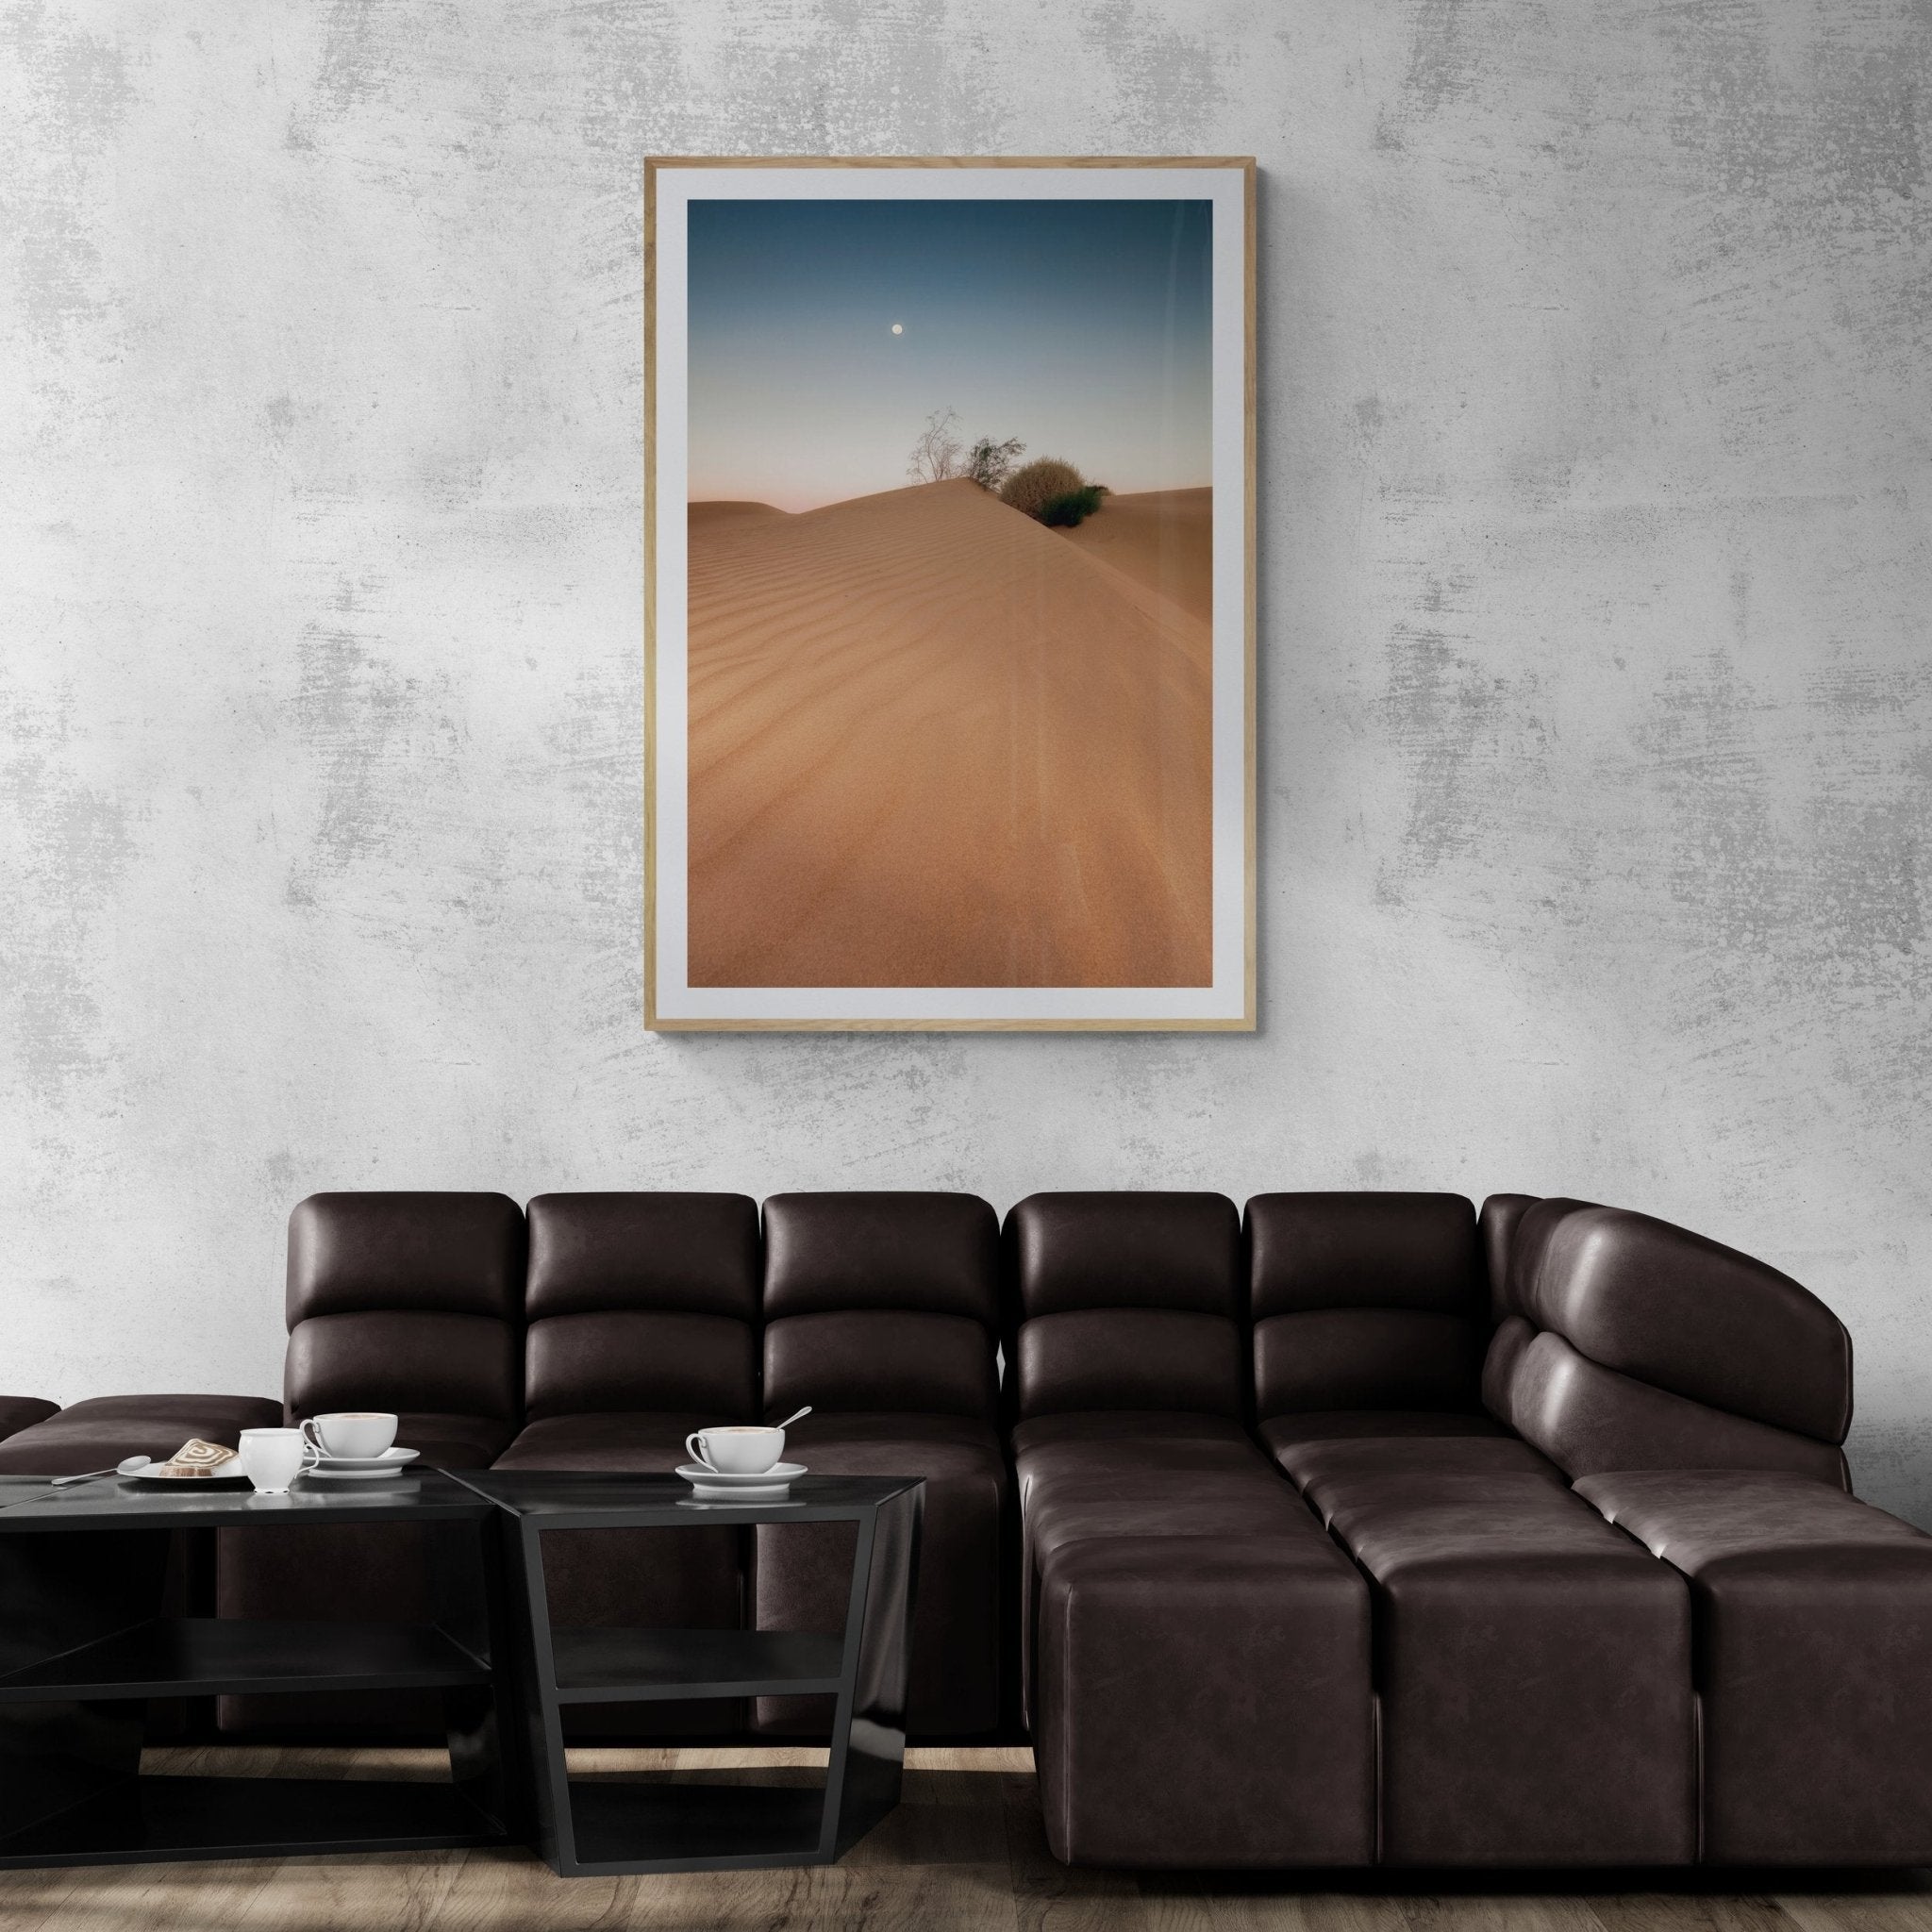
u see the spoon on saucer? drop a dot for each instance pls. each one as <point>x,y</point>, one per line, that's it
<point>129,1465</point>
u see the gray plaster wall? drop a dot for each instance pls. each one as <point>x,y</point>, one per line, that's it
<point>1595,567</point>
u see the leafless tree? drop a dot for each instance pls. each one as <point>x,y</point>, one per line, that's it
<point>938,453</point>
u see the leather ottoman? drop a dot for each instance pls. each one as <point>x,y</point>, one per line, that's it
<point>1203,1701</point>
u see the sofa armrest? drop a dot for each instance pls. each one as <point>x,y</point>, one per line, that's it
<point>19,1412</point>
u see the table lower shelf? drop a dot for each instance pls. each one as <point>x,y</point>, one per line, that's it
<point>601,1666</point>
<point>669,1827</point>
<point>191,1656</point>
<point>167,1817</point>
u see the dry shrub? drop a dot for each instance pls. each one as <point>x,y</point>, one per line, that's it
<point>1032,488</point>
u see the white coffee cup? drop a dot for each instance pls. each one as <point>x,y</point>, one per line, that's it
<point>736,1449</point>
<point>351,1432</point>
<point>272,1459</point>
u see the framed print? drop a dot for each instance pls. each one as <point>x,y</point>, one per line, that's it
<point>949,538</point>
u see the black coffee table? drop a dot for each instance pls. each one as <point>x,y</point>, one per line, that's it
<point>84,1645</point>
<point>592,1826</point>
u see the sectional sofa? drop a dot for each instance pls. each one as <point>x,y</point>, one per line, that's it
<point>18,1412</point>
<point>1354,1528</point>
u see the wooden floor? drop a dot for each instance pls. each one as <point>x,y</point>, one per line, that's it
<point>965,1850</point>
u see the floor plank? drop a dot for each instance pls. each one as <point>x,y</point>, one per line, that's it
<point>965,1851</point>
<point>1902,1905</point>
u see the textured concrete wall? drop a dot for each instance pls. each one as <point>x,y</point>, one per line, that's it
<point>1597,725</point>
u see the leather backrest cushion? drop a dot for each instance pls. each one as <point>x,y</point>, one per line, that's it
<point>938,1253</point>
<point>1588,1418</point>
<point>460,1253</point>
<point>1366,1358</point>
<point>627,1360</point>
<point>1066,1252</point>
<point>1500,1364</point>
<point>1146,1359</point>
<point>892,1359</point>
<point>1697,1319</point>
<point>1363,1251</point>
<point>1496,1229</point>
<point>697,1254</point>
<point>397,1360</point>
<point>1514,1291</point>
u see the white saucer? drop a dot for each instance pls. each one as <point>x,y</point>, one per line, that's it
<point>390,1458</point>
<point>363,1469</point>
<point>767,1486</point>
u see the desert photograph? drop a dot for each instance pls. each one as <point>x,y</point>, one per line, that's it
<point>949,616</point>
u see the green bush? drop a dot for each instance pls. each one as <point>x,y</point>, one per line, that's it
<point>1063,512</point>
<point>990,463</point>
<point>1038,483</point>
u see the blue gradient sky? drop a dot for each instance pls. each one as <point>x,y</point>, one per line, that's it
<point>1080,326</point>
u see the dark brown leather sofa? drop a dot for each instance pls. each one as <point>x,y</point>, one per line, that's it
<point>1533,1665</point>
<point>1196,1650</point>
<point>395,1301</point>
<point>882,1313</point>
<point>643,1326</point>
<point>18,1412</point>
<point>107,1429</point>
<point>1355,1528</point>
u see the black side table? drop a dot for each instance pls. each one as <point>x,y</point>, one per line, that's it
<point>83,1646</point>
<point>585,1827</point>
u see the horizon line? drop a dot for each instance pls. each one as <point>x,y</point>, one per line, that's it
<point>893,489</point>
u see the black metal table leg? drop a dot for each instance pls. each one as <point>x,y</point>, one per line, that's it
<point>582,1826</point>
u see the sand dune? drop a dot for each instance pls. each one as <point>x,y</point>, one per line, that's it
<point>934,744</point>
<point>1162,538</point>
<point>704,515</point>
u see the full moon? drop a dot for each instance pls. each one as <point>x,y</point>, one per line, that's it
<point>898,329</point>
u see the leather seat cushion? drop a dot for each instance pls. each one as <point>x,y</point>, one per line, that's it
<point>107,1428</point>
<point>946,1448</point>
<point>453,1442</point>
<point>802,1571</point>
<point>1204,1700</point>
<point>1325,1471</point>
<point>1724,1524</point>
<point>1284,1432</point>
<point>18,1412</point>
<point>1176,1502</point>
<point>1482,1522</point>
<point>623,1443</point>
<point>1814,1652</point>
<point>1534,1672</point>
<point>1135,1472</point>
<point>1103,1441</point>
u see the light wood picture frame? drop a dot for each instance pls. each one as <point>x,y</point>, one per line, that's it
<point>940,736</point>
